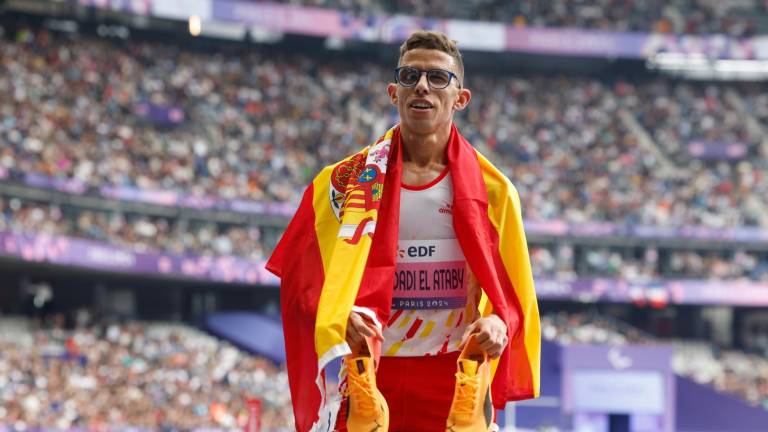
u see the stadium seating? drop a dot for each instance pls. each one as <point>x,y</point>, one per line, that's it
<point>141,375</point>
<point>679,16</point>
<point>79,114</point>
<point>259,126</point>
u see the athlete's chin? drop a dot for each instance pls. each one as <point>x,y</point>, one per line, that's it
<point>421,126</point>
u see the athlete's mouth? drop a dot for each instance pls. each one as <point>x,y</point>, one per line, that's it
<point>421,105</point>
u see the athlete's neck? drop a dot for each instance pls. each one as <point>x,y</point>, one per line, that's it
<point>423,150</point>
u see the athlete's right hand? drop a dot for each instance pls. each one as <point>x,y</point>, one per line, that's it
<point>360,326</point>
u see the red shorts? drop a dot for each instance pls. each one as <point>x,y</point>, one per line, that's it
<point>418,391</point>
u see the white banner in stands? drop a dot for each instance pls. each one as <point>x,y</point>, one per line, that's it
<point>183,9</point>
<point>477,35</point>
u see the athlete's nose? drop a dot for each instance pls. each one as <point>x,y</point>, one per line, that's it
<point>422,86</point>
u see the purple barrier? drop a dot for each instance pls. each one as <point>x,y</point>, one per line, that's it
<point>655,293</point>
<point>90,254</point>
<point>111,428</point>
<point>171,198</point>
<point>159,114</point>
<point>240,327</point>
<point>717,150</point>
<point>158,196</point>
<point>575,42</point>
<point>532,227</point>
<point>700,408</point>
<point>544,227</point>
<point>72,186</point>
<point>139,7</point>
<point>100,256</point>
<point>606,229</point>
<point>596,43</point>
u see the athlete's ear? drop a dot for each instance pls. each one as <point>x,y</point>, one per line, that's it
<point>462,99</point>
<point>392,91</point>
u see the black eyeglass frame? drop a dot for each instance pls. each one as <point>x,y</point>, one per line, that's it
<point>451,76</point>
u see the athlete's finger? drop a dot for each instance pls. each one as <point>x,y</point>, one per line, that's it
<point>482,337</point>
<point>467,333</point>
<point>354,340</point>
<point>495,354</point>
<point>376,332</point>
<point>363,329</point>
<point>353,330</point>
<point>355,335</point>
<point>371,325</point>
<point>488,345</point>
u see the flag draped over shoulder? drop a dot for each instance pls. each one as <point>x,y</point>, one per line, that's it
<point>339,253</point>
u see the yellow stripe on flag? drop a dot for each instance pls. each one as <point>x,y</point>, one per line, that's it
<point>449,321</point>
<point>405,321</point>
<point>326,224</point>
<point>394,349</point>
<point>427,329</point>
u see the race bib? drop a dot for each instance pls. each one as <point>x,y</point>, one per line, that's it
<point>430,274</point>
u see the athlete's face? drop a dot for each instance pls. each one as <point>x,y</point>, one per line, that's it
<point>423,108</point>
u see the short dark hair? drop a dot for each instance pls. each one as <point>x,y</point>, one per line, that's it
<point>434,40</point>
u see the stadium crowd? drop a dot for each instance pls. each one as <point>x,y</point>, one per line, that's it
<point>681,113</point>
<point>137,376</point>
<point>136,232</point>
<point>258,126</point>
<point>756,100</point>
<point>622,263</point>
<point>678,16</point>
<point>139,232</point>
<point>568,151</point>
<point>734,372</point>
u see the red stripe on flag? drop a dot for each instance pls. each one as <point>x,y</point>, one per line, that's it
<point>479,241</point>
<point>444,348</point>
<point>458,322</point>
<point>298,261</point>
<point>394,317</point>
<point>414,328</point>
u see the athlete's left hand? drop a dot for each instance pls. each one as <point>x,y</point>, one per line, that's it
<point>490,333</point>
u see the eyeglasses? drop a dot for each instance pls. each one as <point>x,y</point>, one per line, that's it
<point>408,76</point>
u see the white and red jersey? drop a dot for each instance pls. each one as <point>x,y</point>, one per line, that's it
<point>435,296</point>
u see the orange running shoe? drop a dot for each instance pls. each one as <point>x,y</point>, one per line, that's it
<point>471,409</point>
<point>367,411</point>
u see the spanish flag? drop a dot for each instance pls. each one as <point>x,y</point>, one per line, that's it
<point>340,251</point>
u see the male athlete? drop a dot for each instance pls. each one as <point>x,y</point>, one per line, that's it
<point>425,269</point>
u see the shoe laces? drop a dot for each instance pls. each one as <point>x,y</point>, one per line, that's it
<point>466,393</point>
<point>361,388</point>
